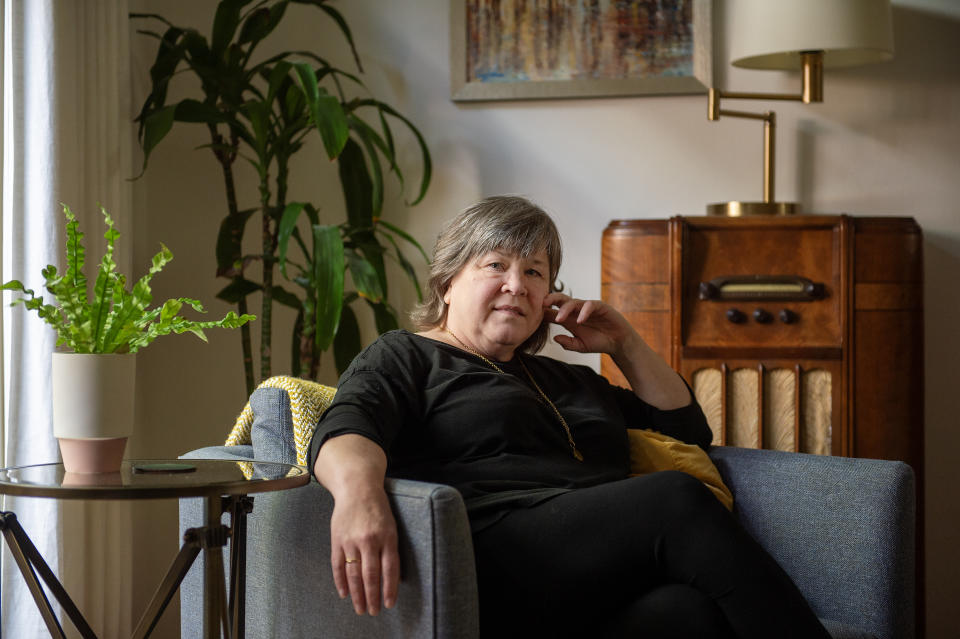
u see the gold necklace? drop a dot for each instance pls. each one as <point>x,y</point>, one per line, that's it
<point>573,445</point>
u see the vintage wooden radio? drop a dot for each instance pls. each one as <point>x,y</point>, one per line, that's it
<point>801,333</point>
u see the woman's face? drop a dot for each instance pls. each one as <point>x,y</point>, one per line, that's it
<point>495,302</point>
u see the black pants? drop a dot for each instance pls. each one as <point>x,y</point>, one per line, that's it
<point>652,556</point>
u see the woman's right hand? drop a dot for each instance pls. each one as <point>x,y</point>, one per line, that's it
<point>363,532</point>
<point>363,550</point>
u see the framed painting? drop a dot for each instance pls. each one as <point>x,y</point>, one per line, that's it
<point>529,49</point>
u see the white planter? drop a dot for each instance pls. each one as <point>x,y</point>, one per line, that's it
<point>93,398</point>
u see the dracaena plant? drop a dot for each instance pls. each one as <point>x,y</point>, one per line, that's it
<point>264,112</point>
<point>112,319</point>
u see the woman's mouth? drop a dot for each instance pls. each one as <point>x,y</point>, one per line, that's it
<point>512,310</point>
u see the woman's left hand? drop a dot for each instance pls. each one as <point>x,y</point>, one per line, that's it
<point>596,327</point>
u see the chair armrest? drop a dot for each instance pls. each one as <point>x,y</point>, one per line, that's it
<point>290,591</point>
<point>842,528</point>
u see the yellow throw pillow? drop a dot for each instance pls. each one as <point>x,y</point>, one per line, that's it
<point>651,451</point>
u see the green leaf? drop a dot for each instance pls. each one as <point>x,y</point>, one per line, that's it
<point>294,104</point>
<point>255,26</point>
<point>155,128</point>
<point>127,308</point>
<point>307,80</point>
<point>384,317</point>
<point>406,236</point>
<point>15,285</point>
<point>424,151</point>
<point>333,13</point>
<point>170,309</point>
<point>357,186</point>
<point>103,287</point>
<point>238,289</point>
<point>278,77</point>
<point>258,113</point>
<point>288,223</point>
<point>225,24</point>
<point>176,324</point>
<point>230,241</point>
<point>189,110</point>
<point>328,282</point>
<point>326,111</point>
<point>347,343</point>
<point>385,146</point>
<point>331,121</point>
<point>376,192</point>
<point>73,298</point>
<point>285,297</point>
<point>365,277</point>
<point>407,267</point>
<point>366,242</point>
<point>169,56</point>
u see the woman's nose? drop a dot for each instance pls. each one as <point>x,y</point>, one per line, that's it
<point>514,283</point>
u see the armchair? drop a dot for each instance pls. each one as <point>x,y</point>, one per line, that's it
<point>842,528</point>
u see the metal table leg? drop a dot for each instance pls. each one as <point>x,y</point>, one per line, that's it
<point>192,543</point>
<point>220,615</point>
<point>215,600</point>
<point>28,559</point>
<point>239,507</point>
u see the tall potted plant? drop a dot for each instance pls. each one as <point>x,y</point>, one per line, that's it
<point>99,331</point>
<point>264,111</point>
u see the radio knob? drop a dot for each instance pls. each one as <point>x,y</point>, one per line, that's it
<point>788,317</point>
<point>736,316</point>
<point>762,317</point>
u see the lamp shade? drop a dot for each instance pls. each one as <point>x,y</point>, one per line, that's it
<point>771,34</point>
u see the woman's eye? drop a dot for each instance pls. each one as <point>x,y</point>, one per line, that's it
<point>495,265</point>
<point>534,272</point>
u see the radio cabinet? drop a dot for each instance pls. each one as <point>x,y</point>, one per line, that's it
<point>799,333</point>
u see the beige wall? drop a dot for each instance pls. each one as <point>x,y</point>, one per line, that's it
<point>884,142</point>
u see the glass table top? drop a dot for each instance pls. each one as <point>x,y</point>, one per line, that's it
<point>154,478</point>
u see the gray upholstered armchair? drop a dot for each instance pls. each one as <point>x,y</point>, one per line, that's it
<point>842,528</point>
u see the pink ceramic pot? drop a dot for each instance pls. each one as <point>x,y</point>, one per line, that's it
<point>93,409</point>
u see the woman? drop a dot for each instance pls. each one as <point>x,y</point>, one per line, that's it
<point>565,543</point>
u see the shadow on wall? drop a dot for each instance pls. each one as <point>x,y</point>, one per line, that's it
<point>891,96</point>
<point>926,50</point>
<point>942,313</point>
<point>942,339</point>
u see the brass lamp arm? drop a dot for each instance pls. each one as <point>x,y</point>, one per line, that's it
<point>811,91</point>
<point>811,88</point>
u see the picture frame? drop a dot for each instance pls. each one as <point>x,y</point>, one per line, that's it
<point>694,75</point>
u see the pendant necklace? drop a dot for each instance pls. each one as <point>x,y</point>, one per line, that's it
<point>573,446</point>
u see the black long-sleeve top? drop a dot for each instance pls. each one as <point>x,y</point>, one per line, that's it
<point>444,415</point>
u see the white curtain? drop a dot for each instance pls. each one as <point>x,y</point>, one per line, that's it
<point>67,137</point>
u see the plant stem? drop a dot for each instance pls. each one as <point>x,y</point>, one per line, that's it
<point>266,316</point>
<point>226,161</point>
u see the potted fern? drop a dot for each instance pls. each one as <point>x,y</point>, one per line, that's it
<point>99,333</point>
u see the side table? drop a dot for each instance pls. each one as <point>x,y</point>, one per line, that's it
<point>224,483</point>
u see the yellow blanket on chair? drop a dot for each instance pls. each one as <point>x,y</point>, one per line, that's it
<point>308,400</point>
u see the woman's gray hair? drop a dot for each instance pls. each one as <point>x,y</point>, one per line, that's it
<point>505,223</point>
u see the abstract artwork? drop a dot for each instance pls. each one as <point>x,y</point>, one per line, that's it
<point>515,49</point>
